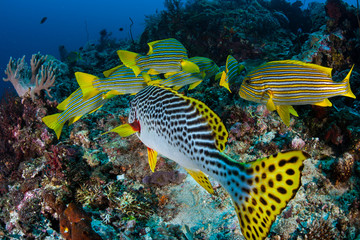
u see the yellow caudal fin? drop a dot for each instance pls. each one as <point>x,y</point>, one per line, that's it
<point>107,73</point>
<point>269,184</point>
<point>189,67</point>
<point>129,60</point>
<point>152,156</point>
<point>151,46</point>
<point>85,82</point>
<point>194,85</point>
<point>346,80</point>
<point>223,81</point>
<point>324,103</point>
<point>201,179</point>
<point>124,130</point>
<point>52,122</point>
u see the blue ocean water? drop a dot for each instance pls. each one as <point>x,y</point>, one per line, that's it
<point>68,23</point>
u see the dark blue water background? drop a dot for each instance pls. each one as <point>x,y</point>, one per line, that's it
<point>69,22</point>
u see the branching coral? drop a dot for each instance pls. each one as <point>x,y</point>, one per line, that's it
<point>26,81</point>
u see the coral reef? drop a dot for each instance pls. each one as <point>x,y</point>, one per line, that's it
<point>102,184</point>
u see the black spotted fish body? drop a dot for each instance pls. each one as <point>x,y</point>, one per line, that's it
<point>186,131</point>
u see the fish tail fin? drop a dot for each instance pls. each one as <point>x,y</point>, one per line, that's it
<point>224,81</point>
<point>261,189</point>
<point>129,60</point>
<point>52,122</point>
<point>85,82</point>
<point>346,81</point>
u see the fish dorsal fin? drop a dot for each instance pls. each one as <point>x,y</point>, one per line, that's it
<point>190,67</point>
<point>324,103</point>
<point>194,85</point>
<point>217,126</point>
<point>129,60</point>
<point>325,70</point>
<point>201,179</point>
<point>151,46</point>
<point>107,73</point>
<point>85,82</point>
<point>275,181</point>
<point>152,156</point>
<point>52,122</point>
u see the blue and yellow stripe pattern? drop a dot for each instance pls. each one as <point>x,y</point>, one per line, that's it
<point>291,82</point>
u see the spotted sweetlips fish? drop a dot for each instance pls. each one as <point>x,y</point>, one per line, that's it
<point>188,132</point>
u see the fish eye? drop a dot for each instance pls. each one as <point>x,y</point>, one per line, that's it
<point>247,81</point>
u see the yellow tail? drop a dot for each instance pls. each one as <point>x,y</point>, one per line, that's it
<point>261,189</point>
<point>346,80</point>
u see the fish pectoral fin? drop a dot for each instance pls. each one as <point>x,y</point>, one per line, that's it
<point>273,182</point>
<point>189,67</point>
<point>201,179</point>
<point>284,113</point>
<point>129,60</point>
<point>152,156</point>
<point>194,85</point>
<point>124,130</point>
<point>111,94</point>
<point>52,122</point>
<point>270,105</point>
<point>324,103</point>
<point>85,82</point>
<point>153,72</point>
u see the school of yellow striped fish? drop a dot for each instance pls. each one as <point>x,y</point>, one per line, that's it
<point>188,132</point>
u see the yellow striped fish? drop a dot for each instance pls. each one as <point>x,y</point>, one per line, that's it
<point>281,84</point>
<point>186,131</point>
<point>164,56</point>
<point>207,67</point>
<point>73,108</point>
<point>119,80</point>
<point>231,72</point>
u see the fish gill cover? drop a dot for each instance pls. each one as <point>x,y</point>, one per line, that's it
<point>78,183</point>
